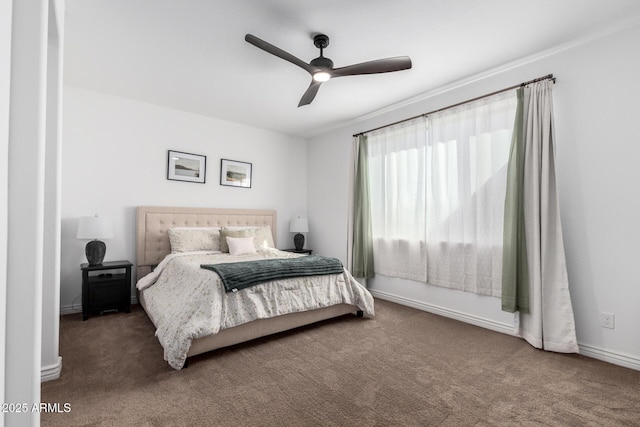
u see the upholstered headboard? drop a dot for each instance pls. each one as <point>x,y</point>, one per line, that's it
<point>153,223</point>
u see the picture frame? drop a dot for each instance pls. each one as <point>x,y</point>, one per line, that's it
<point>186,167</point>
<point>235,174</point>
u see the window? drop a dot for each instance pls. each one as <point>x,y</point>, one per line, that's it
<point>437,188</point>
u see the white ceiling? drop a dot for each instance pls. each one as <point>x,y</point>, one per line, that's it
<point>191,54</point>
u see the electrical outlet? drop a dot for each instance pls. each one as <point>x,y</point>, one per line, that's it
<point>608,320</point>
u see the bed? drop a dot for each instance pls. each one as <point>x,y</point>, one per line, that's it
<point>190,308</point>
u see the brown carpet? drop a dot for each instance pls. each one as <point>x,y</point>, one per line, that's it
<point>405,367</point>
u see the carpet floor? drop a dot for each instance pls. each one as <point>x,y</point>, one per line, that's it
<point>404,367</point>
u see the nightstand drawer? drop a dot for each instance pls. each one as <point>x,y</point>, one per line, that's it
<point>107,294</point>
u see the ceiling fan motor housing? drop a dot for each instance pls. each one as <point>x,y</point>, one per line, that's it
<point>322,62</point>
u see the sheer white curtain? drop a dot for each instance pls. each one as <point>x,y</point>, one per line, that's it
<point>467,155</point>
<point>437,195</point>
<point>398,199</point>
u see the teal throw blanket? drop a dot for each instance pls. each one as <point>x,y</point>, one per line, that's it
<point>240,275</point>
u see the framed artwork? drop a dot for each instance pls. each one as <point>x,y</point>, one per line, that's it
<point>235,174</point>
<point>186,167</point>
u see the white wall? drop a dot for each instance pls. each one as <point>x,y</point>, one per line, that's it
<point>115,158</point>
<point>595,101</point>
<point>5,105</point>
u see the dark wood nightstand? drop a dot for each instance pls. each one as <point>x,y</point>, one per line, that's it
<point>302,251</point>
<point>104,289</point>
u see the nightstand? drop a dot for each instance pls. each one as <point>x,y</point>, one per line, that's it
<point>301,251</point>
<point>106,287</point>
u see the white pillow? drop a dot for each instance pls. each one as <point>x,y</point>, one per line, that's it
<point>241,245</point>
<point>189,239</point>
<point>225,233</point>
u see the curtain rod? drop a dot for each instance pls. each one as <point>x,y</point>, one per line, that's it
<point>539,79</point>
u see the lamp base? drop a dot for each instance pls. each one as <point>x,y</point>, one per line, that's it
<point>298,240</point>
<point>95,251</point>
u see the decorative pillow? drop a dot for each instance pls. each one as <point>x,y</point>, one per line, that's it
<point>225,233</point>
<point>189,239</point>
<point>240,227</point>
<point>241,245</point>
<point>262,236</point>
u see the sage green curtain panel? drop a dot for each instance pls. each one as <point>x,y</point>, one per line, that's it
<point>362,236</point>
<point>515,274</point>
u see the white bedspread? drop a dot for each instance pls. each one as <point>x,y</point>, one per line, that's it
<point>188,302</point>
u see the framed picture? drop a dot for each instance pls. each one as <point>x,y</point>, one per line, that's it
<point>186,167</point>
<point>235,174</point>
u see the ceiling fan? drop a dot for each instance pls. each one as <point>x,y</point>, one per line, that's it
<point>321,68</point>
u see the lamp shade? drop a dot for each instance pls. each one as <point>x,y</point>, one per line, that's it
<point>299,225</point>
<point>94,227</point>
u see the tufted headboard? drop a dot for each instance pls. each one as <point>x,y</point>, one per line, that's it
<point>153,223</point>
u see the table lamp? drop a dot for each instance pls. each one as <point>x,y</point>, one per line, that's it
<point>94,228</point>
<point>298,225</point>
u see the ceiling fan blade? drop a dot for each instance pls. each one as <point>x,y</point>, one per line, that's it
<point>274,50</point>
<point>385,65</point>
<point>311,92</point>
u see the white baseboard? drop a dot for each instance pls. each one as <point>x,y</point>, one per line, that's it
<point>70,309</point>
<point>493,325</point>
<point>585,350</point>
<point>51,372</point>
<point>610,356</point>
<point>73,308</point>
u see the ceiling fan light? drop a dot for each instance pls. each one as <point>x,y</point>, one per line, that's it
<point>321,76</point>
